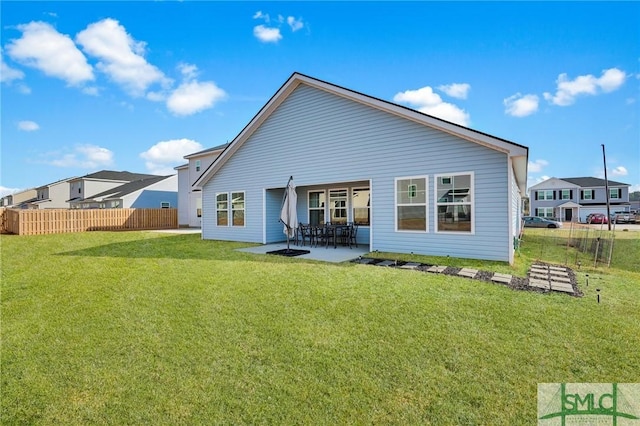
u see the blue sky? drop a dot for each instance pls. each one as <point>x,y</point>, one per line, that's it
<point>136,86</point>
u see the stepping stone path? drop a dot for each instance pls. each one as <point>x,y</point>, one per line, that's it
<point>556,278</point>
<point>540,276</point>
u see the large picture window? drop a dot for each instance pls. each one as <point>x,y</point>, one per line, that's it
<point>411,203</point>
<point>454,202</point>
<point>237,208</point>
<point>338,206</point>
<point>222,209</point>
<point>316,207</point>
<point>361,206</point>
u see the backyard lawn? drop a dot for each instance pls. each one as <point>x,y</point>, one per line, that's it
<point>149,328</point>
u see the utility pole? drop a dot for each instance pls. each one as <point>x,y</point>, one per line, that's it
<point>606,188</point>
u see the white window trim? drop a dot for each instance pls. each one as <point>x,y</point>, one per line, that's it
<point>244,197</point>
<point>562,194</point>
<point>396,205</point>
<point>591,191</point>
<point>350,212</point>
<point>323,209</point>
<point>611,197</point>
<point>328,203</point>
<point>217,210</point>
<point>472,191</point>
<point>198,165</point>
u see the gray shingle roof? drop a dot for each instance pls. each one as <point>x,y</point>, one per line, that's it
<point>128,188</point>
<point>204,151</point>
<point>589,182</point>
<point>118,176</point>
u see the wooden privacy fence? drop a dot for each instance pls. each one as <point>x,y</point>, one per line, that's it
<point>57,221</point>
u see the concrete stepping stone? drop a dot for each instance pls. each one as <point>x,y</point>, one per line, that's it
<point>437,269</point>
<point>560,279</point>
<point>543,284</point>
<point>557,268</point>
<point>468,272</point>
<point>386,263</point>
<point>501,278</point>
<point>410,265</point>
<point>538,276</point>
<point>566,288</point>
<point>366,261</point>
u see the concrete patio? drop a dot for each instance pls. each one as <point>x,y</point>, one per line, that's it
<point>325,254</point>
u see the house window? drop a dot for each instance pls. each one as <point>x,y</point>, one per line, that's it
<point>316,207</point>
<point>587,194</point>
<point>566,194</point>
<point>361,203</point>
<point>165,204</point>
<point>614,193</point>
<point>237,208</point>
<point>199,207</point>
<point>222,209</point>
<point>411,203</point>
<point>338,205</point>
<point>197,165</point>
<point>454,203</point>
<point>545,195</point>
<point>544,212</point>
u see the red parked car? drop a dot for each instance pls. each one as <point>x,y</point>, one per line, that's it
<point>597,218</point>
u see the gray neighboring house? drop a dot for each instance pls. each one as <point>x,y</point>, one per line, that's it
<point>53,195</point>
<point>413,182</point>
<point>190,197</point>
<point>573,199</point>
<point>83,188</point>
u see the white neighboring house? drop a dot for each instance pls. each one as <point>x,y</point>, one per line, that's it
<point>190,198</point>
<point>150,193</point>
<point>53,195</point>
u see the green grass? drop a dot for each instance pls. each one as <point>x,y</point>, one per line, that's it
<point>145,328</point>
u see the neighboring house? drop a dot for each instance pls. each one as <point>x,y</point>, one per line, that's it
<point>53,195</point>
<point>414,183</point>
<point>190,198</point>
<point>6,201</point>
<point>150,193</point>
<point>573,199</point>
<point>85,187</point>
<point>23,199</point>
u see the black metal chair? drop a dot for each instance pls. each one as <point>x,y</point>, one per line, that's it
<point>353,235</point>
<point>304,232</point>
<point>329,234</point>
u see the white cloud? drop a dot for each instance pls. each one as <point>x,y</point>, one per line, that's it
<point>537,166</point>
<point>619,171</point>
<point>188,71</point>
<point>520,105</point>
<point>192,97</point>
<point>568,90</point>
<point>266,34</point>
<point>8,74</point>
<point>7,191</point>
<point>121,57</point>
<point>28,126</point>
<point>456,90</point>
<point>260,15</point>
<point>295,24</point>
<point>85,157</point>
<point>163,156</point>
<point>55,54</point>
<point>428,102</point>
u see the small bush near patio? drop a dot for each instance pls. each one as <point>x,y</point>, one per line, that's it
<point>149,328</point>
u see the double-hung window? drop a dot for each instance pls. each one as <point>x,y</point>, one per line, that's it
<point>230,208</point>
<point>565,194</point>
<point>454,202</point>
<point>222,209</point>
<point>316,207</point>
<point>338,205</point>
<point>546,194</point>
<point>587,194</point>
<point>411,203</point>
<point>237,208</point>
<point>614,193</point>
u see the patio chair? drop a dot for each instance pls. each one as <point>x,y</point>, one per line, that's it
<point>329,234</point>
<point>353,234</point>
<point>304,232</point>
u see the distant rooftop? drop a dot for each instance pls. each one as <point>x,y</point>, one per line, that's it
<point>206,151</point>
<point>591,181</point>
<point>117,176</point>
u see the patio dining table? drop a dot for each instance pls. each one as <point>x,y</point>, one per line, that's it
<point>340,230</point>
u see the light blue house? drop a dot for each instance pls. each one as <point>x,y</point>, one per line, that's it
<point>414,183</point>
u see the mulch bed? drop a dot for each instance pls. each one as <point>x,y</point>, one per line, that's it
<point>517,283</point>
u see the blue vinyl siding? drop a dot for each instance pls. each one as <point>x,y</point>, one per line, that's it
<point>324,140</point>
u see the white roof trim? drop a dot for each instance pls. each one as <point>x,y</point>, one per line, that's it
<point>519,153</point>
